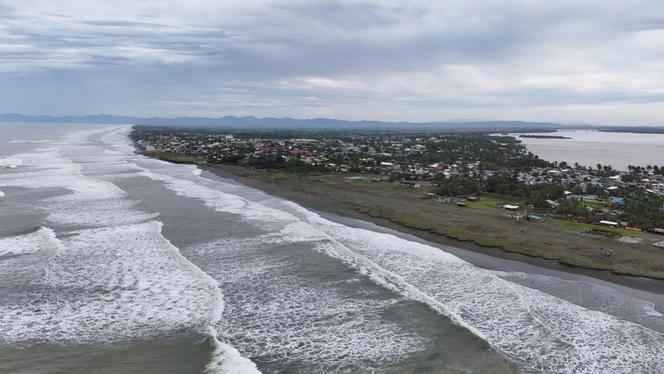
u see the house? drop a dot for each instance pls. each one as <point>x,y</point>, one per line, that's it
<point>609,223</point>
<point>616,200</point>
<point>574,197</point>
<point>510,207</point>
<point>410,184</point>
<point>535,218</point>
<point>656,230</point>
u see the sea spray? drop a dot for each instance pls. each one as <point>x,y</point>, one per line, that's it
<point>226,359</point>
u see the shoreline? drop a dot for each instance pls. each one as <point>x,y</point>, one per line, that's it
<point>326,207</point>
<point>643,283</point>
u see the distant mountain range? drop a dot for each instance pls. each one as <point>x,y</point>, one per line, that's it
<point>288,123</point>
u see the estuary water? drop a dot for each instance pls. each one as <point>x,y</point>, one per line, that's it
<point>592,147</point>
<point>111,262</point>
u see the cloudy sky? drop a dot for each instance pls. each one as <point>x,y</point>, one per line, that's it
<point>572,61</point>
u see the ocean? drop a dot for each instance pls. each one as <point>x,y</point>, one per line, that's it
<point>592,147</point>
<point>111,262</point>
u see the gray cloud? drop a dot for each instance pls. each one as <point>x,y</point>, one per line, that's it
<point>122,23</point>
<point>395,60</point>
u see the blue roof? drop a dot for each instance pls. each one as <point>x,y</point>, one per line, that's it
<point>617,200</point>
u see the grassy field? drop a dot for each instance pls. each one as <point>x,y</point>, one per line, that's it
<point>482,222</point>
<point>177,158</point>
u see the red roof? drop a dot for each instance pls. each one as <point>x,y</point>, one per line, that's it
<point>266,149</point>
<point>299,152</point>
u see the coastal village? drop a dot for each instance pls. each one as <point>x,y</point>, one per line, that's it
<point>456,168</point>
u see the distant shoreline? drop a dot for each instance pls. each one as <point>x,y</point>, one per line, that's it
<point>636,130</point>
<point>544,137</point>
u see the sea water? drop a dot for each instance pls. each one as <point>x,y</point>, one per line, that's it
<point>111,262</point>
<point>592,147</point>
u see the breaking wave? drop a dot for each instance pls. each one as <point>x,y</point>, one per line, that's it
<point>106,273</point>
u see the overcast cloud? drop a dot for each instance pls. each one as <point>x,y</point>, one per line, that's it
<point>574,61</point>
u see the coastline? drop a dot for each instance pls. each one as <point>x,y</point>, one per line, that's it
<point>321,205</point>
<point>325,205</point>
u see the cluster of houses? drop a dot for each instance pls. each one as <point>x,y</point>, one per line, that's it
<point>408,157</point>
<point>413,159</point>
<point>397,155</point>
<point>583,180</point>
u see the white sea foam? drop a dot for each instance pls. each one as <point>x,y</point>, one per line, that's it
<point>2,194</point>
<point>41,240</point>
<point>10,163</point>
<point>89,135</point>
<point>91,201</point>
<point>111,169</point>
<point>273,314</point>
<point>113,284</point>
<point>119,280</point>
<point>23,259</point>
<point>50,169</point>
<point>221,201</point>
<point>98,213</point>
<point>592,296</point>
<point>227,360</point>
